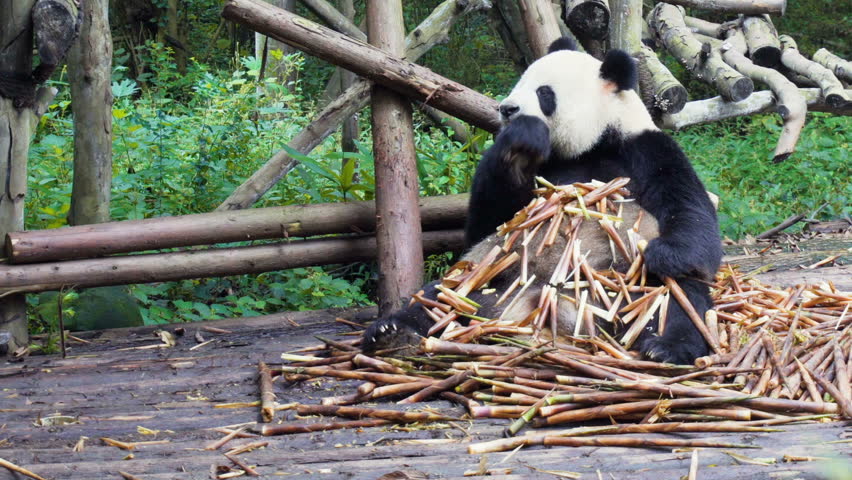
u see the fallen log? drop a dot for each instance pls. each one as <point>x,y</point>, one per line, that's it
<point>589,18</point>
<point>841,68</point>
<point>88,241</point>
<point>717,108</point>
<point>832,89</point>
<point>667,23</point>
<point>789,103</point>
<point>748,7</point>
<point>216,262</point>
<point>404,77</point>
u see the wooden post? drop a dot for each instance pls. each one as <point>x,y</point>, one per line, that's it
<point>213,262</point>
<point>90,70</point>
<point>288,222</point>
<point>625,25</point>
<point>15,131</point>
<point>397,216</point>
<point>540,23</point>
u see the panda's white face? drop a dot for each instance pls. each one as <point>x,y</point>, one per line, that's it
<point>566,91</point>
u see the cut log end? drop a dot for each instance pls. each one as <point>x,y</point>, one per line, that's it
<point>590,19</point>
<point>672,99</point>
<point>741,89</point>
<point>768,56</point>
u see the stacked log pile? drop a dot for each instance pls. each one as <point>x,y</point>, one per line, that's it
<point>780,355</point>
<point>90,255</point>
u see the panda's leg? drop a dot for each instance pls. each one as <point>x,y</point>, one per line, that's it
<point>681,342</point>
<point>405,327</point>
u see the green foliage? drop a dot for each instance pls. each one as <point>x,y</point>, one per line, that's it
<point>734,159</point>
<point>91,309</point>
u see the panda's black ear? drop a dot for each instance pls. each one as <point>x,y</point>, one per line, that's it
<point>619,68</point>
<point>564,43</point>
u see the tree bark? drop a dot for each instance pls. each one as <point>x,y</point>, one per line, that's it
<point>587,18</point>
<point>661,91</point>
<point>748,7</point>
<point>540,24</point>
<point>790,105</point>
<point>508,13</point>
<point>625,26</point>
<point>699,25</point>
<point>15,132</point>
<point>513,49</point>
<point>89,72</point>
<point>428,33</point>
<point>460,133</point>
<point>717,108</point>
<point>88,241</point>
<point>397,216</point>
<point>335,19</point>
<point>173,33</point>
<point>841,68</point>
<point>702,60</point>
<point>163,267</point>
<point>832,89</point>
<point>764,49</point>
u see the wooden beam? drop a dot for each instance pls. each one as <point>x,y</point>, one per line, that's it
<point>88,241</point>
<point>402,76</point>
<point>748,7</point>
<point>214,262</point>
<point>16,129</point>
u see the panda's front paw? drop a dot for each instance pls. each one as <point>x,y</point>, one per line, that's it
<point>666,260</point>
<point>524,144</point>
<point>676,351</point>
<point>391,333</point>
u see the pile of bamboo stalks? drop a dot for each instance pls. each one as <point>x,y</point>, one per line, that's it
<point>780,355</point>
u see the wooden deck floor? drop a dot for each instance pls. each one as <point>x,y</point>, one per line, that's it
<point>113,391</point>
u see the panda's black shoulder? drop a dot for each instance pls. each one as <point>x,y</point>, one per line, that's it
<point>655,149</point>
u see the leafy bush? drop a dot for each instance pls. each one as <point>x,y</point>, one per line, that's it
<point>734,159</point>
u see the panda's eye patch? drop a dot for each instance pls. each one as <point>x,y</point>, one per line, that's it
<point>546,100</point>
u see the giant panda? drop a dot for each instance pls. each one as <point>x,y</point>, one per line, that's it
<point>572,118</point>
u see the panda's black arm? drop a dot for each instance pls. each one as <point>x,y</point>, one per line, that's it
<point>668,187</point>
<point>504,178</point>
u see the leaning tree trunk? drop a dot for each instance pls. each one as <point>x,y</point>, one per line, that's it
<point>398,234</point>
<point>89,70</point>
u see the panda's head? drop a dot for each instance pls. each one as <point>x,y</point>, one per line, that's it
<point>579,97</point>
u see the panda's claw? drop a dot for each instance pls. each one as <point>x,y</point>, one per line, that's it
<point>391,333</point>
<point>663,350</point>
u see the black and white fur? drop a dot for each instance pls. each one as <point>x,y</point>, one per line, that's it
<point>572,118</point>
